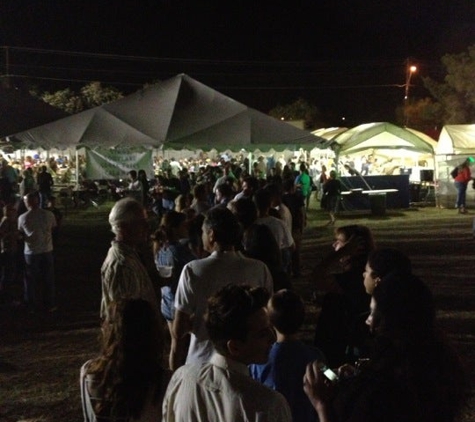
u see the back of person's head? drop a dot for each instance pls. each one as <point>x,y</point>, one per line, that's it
<point>225,226</point>
<point>32,199</point>
<point>130,362</point>
<point>288,185</point>
<point>225,190</point>
<point>286,311</point>
<point>245,211</point>
<point>259,243</point>
<point>302,167</point>
<point>252,183</point>
<point>404,308</point>
<point>389,260</point>
<point>172,221</point>
<point>332,174</point>
<point>125,211</point>
<point>275,191</point>
<point>133,174</point>
<point>199,192</point>
<point>228,312</point>
<point>263,200</point>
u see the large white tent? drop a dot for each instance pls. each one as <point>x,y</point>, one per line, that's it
<point>456,140</point>
<point>456,143</point>
<point>177,113</point>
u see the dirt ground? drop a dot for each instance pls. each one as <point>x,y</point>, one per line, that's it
<point>40,355</point>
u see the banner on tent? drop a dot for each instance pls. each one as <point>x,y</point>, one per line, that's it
<point>114,164</point>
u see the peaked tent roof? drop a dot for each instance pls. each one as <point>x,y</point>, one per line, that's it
<point>328,134</point>
<point>380,135</point>
<point>431,141</point>
<point>177,113</point>
<point>456,139</point>
<point>20,111</point>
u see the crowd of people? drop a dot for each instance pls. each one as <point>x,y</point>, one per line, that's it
<point>216,278</point>
<point>29,228</point>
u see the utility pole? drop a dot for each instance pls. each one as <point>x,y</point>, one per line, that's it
<point>410,69</point>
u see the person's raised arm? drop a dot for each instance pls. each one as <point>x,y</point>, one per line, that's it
<point>317,390</point>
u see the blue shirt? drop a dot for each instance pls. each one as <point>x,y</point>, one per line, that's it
<point>284,373</point>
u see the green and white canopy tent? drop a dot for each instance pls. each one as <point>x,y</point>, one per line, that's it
<point>401,147</point>
<point>177,113</point>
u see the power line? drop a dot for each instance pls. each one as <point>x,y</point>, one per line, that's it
<point>108,56</point>
<point>253,87</point>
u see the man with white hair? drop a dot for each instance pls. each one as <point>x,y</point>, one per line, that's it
<point>123,273</point>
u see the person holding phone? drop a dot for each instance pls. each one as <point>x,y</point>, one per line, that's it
<point>412,374</point>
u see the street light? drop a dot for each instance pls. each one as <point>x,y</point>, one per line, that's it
<point>410,71</point>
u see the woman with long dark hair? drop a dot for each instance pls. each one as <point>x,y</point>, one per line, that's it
<point>340,330</point>
<point>126,382</point>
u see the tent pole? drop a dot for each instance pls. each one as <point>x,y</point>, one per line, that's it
<point>77,169</point>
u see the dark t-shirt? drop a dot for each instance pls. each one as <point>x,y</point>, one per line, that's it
<point>45,181</point>
<point>295,202</point>
<point>332,187</point>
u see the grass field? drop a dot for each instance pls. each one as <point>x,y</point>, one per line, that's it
<point>40,356</point>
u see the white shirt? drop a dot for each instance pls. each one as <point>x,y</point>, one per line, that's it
<point>221,390</point>
<point>37,226</point>
<point>202,278</point>
<point>135,190</point>
<point>279,229</point>
<point>285,215</point>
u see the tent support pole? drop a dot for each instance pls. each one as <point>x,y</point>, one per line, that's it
<point>77,169</point>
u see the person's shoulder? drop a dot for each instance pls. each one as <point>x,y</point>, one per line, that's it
<point>250,261</point>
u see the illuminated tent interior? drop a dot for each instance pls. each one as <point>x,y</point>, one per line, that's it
<point>394,147</point>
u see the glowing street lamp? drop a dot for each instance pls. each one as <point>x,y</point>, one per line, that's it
<point>410,71</point>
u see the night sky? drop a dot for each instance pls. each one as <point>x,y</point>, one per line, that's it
<point>347,57</point>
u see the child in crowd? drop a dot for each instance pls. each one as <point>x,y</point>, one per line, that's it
<point>289,356</point>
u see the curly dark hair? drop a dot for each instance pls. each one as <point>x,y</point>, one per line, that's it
<point>228,313</point>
